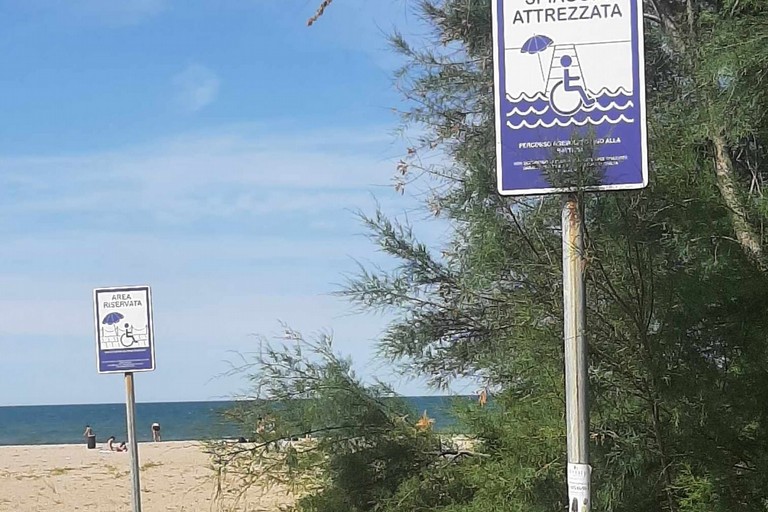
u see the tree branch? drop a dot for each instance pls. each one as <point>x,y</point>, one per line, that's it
<point>320,10</point>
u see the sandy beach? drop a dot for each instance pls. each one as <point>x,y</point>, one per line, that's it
<point>174,477</point>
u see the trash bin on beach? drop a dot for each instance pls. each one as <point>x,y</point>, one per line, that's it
<point>91,442</point>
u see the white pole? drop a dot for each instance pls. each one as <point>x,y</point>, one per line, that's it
<point>576,377</point>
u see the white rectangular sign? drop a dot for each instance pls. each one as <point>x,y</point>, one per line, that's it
<point>124,336</point>
<point>569,73</point>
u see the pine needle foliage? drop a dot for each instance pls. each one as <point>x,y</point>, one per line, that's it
<point>677,296</point>
<point>676,276</point>
<point>312,426</point>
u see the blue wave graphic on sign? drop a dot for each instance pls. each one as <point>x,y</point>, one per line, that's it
<point>536,111</point>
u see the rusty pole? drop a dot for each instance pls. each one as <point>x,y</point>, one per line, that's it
<point>576,378</point>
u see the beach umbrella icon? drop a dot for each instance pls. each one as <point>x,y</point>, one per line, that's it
<point>112,318</point>
<point>536,45</point>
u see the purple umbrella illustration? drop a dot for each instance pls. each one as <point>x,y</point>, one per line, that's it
<point>112,318</point>
<point>536,45</point>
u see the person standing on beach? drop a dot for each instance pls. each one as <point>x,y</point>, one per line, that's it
<point>90,437</point>
<point>156,432</point>
<point>482,396</point>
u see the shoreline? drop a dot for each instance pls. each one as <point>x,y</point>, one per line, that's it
<point>98,444</point>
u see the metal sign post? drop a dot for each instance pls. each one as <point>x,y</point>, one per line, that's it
<point>576,364</point>
<point>133,445</point>
<point>125,344</point>
<point>570,75</point>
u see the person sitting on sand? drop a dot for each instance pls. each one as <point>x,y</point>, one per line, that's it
<point>113,448</point>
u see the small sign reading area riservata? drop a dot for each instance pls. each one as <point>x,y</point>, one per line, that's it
<point>124,339</point>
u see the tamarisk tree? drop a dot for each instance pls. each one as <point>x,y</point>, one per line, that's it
<point>676,277</point>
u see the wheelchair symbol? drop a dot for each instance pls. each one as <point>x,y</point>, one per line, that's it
<point>127,339</point>
<point>568,96</point>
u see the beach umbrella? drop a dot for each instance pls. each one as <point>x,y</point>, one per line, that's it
<point>112,318</point>
<point>536,45</point>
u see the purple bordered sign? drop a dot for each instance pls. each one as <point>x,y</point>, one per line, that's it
<point>124,338</point>
<point>565,71</point>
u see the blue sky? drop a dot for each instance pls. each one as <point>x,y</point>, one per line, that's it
<point>213,150</point>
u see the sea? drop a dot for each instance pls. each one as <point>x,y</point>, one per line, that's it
<point>180,421</point>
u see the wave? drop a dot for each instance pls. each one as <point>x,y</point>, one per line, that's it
<point>613,93</point>
<point>523,96</point>
<point>588,120</point>
<point>598,105</point>
<point>531,110</point>
<point>612,106</point>
<point>542,95</point>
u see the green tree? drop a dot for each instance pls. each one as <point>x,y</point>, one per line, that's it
<point>314,426</point>
<point>675,272</point>
<point>677,289</point>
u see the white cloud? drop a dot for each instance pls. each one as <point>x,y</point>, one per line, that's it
<point>196,87</point>
<point>241,172</point>
<point>237,228</point>
<point>240,178</point>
